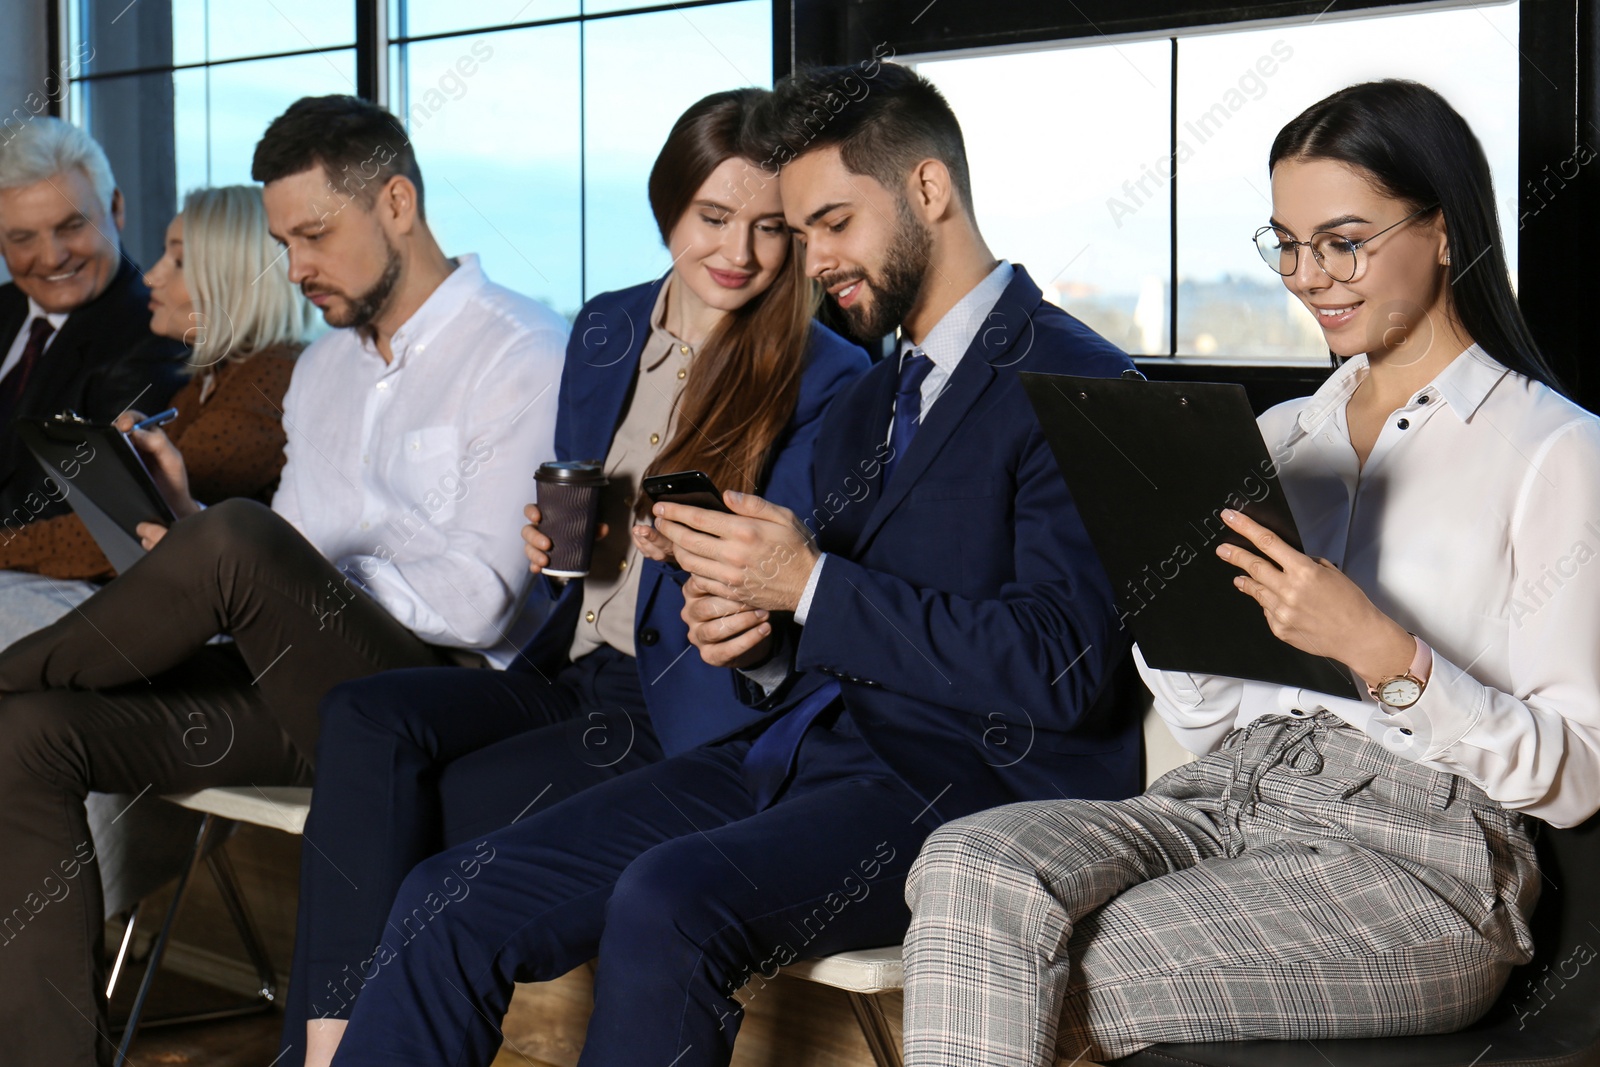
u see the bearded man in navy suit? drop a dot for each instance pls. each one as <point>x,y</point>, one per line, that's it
<point>935,637</point>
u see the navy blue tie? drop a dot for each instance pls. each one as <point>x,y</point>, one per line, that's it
<point>771,758</point>
<point>914,367</point>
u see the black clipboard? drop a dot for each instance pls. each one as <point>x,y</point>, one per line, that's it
<point>1150,465</point>
<point>106,481</point>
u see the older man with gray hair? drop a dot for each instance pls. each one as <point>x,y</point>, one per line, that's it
<point>75,317</point>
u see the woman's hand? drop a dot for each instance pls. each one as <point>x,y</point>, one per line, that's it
<point>536,544</point>
<point>651,544</point>
<point>165,463</point>
<point>167,469</point>
<point>1312,605</point>
<point>727,633</point>
<point>150,534</point>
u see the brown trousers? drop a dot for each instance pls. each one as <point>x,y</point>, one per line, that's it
<point>124,695</point>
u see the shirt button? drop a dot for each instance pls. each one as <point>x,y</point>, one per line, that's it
<point>682,374</point>
<point>684,349</point>
<point>366,458</point>
<point>622,566</point>
<point>1298,713</point>
<point>588,616</point>
<point>1404,424</point>
<point>382,386</point>
<point>1424,399</point>
<point>366,525</point>
<point>415,445</point>
<point>655,439</point>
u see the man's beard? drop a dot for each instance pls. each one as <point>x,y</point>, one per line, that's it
<point>363,309</point>
<point>895,289</point>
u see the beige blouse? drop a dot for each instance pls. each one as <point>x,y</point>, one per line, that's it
<point>611,591</point>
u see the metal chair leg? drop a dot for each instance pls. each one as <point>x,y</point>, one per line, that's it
<point>239,911</point>
<point>131,921</point>
<point>875,1028</point>
<point>159,948</point>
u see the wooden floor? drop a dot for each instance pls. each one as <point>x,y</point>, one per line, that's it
<point>800,1025</point>
<point>789,1023</point>
<point>249,1041</point>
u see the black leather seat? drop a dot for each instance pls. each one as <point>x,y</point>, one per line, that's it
<point>1548,1015</point>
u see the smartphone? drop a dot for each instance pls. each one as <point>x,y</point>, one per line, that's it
<point>694,489</point>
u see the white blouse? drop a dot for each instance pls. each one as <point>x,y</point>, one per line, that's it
<point>1475,524</point>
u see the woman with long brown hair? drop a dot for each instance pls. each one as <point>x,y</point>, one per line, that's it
<point>718,366</point>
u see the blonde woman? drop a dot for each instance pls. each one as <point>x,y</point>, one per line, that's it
<point>221,288</point>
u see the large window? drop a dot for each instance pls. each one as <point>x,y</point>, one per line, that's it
<point>536,141</point>
<point>535,121</point>
<point>1123,171</point>
<point>178,92</point>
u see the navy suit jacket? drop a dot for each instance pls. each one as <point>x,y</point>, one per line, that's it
<point>964,612</point>
<point>689,702</point>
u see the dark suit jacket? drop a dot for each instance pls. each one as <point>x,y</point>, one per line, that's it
<point>689,702</point>
<point>104,359</point>
<point>964,613</point>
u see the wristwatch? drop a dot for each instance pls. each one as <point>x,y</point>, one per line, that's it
<point>1400,691</point>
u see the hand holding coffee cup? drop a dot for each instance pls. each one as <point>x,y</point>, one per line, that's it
<point>565,523</point>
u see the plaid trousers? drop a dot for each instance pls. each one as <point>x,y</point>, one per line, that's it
<point>1302,882</point>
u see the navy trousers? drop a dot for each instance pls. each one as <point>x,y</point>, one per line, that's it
<point>412,761</point>
<point>669,874</point>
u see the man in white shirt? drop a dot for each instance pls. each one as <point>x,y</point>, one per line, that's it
<point>414,430</point>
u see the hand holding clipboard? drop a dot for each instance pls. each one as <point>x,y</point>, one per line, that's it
<point>106,480</point>
<point>1152,466</point>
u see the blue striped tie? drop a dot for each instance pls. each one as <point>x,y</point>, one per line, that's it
<point>768,763</point>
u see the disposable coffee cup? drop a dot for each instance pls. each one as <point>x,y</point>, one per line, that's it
<point>569,513</point>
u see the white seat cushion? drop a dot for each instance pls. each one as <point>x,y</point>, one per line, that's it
<point>865,970</point>
<point>280,807</point>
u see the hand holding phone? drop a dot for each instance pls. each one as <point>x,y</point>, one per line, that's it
<point>693,489</point>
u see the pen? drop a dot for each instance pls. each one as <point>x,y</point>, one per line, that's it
<point>160,418</point>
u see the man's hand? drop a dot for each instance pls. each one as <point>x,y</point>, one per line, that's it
<point>1312,605</point>
<point>727,633</point>
<point>166,465</point>
<point>760,556</point>
<point>536,544</point>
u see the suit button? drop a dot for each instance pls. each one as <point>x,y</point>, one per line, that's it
<point>649,636</point>
<point>588,616</point>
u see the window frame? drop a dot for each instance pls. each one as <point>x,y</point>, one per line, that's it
<point>1559,111</point>
<point>1558,115</point>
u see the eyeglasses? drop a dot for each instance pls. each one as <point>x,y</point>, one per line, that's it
<point>1335,255</point>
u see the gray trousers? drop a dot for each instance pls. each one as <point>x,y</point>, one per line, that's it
<point>1302,882</point>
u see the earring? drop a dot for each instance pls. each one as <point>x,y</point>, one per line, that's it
<point>1447,259</point>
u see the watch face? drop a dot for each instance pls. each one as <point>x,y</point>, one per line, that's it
<point>1400,692</point>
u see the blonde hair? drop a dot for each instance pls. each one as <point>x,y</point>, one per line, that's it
<point>238,280</point>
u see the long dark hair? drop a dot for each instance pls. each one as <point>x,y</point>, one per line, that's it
<point>744,382</point>
<point>1422,152</point>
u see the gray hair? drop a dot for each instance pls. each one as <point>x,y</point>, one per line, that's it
<point>47,146</point>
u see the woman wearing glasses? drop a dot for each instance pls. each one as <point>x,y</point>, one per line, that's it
<point>1329,867</point>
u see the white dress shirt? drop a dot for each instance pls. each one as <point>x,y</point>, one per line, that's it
<point>412,475</point>
<point>19,342</point>
<point>1475,524</point>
